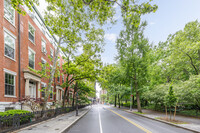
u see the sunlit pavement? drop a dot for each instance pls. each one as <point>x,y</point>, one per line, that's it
<point>106,119</point>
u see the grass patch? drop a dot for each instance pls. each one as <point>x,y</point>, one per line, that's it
<point>171,121</point>
<point>138,113</point>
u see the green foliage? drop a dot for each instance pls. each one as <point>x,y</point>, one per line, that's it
<point>170,98</point>
<point>15,112</point>
<point>29,3</point>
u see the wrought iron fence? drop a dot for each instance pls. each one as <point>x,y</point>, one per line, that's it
<point>17,121</point>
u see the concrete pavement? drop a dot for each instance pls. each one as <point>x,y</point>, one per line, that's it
<point>106,119</point>
<point>55,125</point>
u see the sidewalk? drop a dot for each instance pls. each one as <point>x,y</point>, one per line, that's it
<point>55,125</point>
<point>192,123</point>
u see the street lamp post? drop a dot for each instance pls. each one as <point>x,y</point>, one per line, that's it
<point>77,103</point>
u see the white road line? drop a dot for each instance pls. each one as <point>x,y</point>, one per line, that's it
<point>100,126</point>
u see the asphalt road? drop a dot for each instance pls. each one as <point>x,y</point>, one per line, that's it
<point>106,119</point>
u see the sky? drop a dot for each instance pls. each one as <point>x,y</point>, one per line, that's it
<point>171,16</point>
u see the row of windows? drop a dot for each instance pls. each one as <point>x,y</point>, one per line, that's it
<point>9,41</point>
<point>10,87</point>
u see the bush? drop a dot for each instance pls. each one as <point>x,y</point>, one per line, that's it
<point>23,119</point>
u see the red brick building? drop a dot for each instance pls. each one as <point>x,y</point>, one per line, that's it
<point>24,42</point>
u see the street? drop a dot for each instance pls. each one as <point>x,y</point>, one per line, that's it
<point>106,119</point>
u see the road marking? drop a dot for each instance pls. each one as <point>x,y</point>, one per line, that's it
<point>100,126</point>
<point>147,131</point>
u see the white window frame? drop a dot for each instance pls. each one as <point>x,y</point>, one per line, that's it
<point>45,50</point>
<point>14,37</point>
<point>34,56</point>
<point>51,51</point>
<point>42,83</point>
<point>14,74</point>
<point>7,18</point>
<point>34,32</point>
<point>52,93</point>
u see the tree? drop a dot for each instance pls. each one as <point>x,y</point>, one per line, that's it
<point>170,99</point>
<point>103,98</point>
<point>29,3</point>
<point>67,19</point>
<point>132,54</point>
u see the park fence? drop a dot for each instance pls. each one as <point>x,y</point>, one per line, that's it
<point>17,121</point>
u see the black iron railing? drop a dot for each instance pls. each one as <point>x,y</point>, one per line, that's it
<point>17,121</point>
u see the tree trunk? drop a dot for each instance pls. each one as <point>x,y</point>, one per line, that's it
<point>51,77</point>
<point>138,102</point>
<point>170,113</point>
<point>137,96</point>
<point>131,98</point>
<point>166,112</point>
<point>175,112</point>
<point>133,101</point>
<point>64,95</point>
<point>115,100</point>
<point>118,101</point>
<point>75,90</point>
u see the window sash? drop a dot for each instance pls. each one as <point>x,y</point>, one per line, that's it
<point>10,52</point>
<point>31,59</point>
<point>43,46</point>
<point>51,53</point>
<point>9,12</point>
<point>9,84</point>
<point>31,33</point>
<point>31,37</point>
<point>51,94</point>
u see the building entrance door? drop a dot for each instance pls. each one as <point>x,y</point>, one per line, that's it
<point>32,89</point>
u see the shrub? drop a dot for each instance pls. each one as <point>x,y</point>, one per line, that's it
<point>23,119</point>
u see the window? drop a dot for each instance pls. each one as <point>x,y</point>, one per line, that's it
<point>31,33</point>
<point>58,62</point>
<point>43,89</point>
<point>63,80</point>
<point>51,93</point>
<point>9,12</point>
<point>43,64</point>
<point>9,84</point>
<point>9,42</point>
<point>58,78</point>
<point>44,47</point>
<point>31,55</point>
<point>51,53</point>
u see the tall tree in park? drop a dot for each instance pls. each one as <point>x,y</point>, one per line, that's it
<point>132,53</point>
<point>185,51</point>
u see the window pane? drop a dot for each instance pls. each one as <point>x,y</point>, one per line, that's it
<point>9,11</point>
<point>9,84</point>
<point>9,51</point>
<point>31,37</point>
<point>9,43</point>
<point>31,59</point>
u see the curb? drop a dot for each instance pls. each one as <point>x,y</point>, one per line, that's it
<point>162,121</point>
<point>75,121</point>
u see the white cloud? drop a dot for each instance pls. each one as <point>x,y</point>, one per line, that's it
<point>111,37</point>
<point>152,23</point>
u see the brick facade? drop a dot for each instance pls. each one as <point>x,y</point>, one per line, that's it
<point>12,65</point>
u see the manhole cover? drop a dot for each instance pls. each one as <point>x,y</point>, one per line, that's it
<point>30,128</point>
<point>57,129</point>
